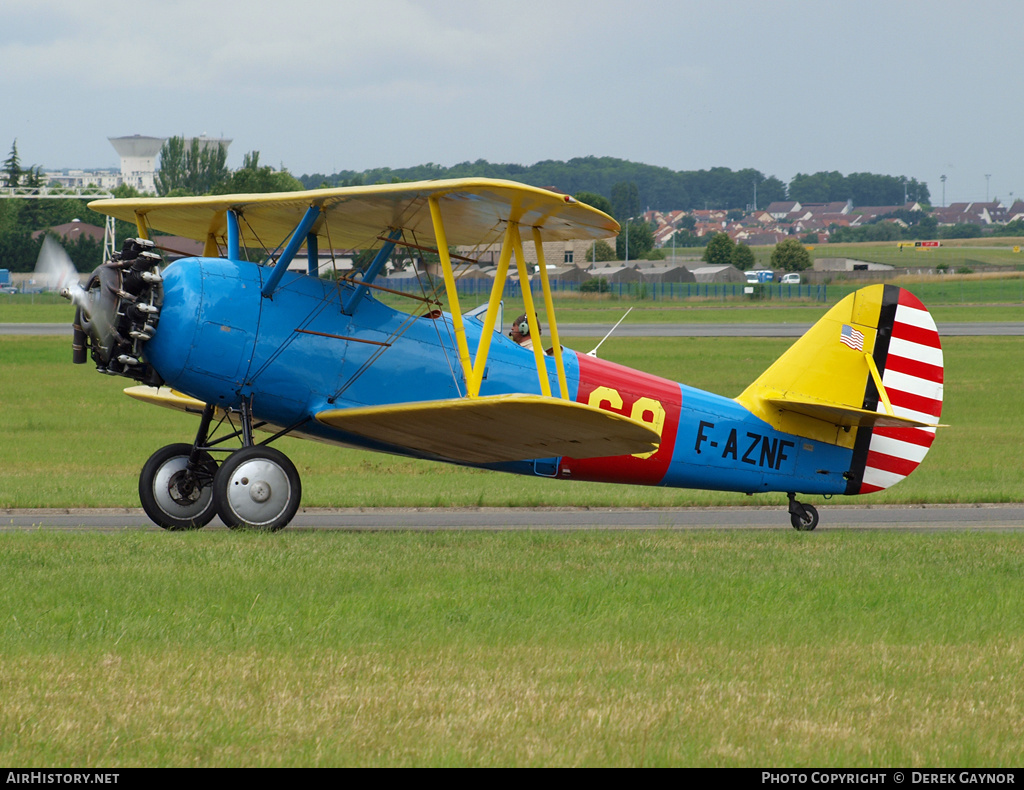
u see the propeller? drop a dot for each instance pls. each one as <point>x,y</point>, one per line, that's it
<point>57,273</point>
<point>95,314</point>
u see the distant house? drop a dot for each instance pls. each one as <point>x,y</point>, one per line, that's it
<point>72,231</point>
<point>835,207</point>
<point>1014,212</point>
<point>171,248</point>
<point>781,209</point>
<point>968,213</point>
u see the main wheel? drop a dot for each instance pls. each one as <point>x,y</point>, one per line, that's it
<point>174,495</point>
<point>808,521</point>
<point>257,488</point>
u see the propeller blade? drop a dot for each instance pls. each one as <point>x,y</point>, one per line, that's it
<point>57,273</point>
<point>54,267</point>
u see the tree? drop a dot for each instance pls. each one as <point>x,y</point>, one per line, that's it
<point>719,250</point>
<point>1015,228</point>
<point>864,189</point>
<point>600,202</point>
<point>171,174</point>
<point>820,187</point>
<point>251,178</point>
<point>743,257</point>
<point>12,167</point>
<point>962,230</point>
<point>687,238</point>
<point>641,240</point>
<point>595,285</point>
<point>625,201</point>
<point>791,256</point>
<point>195,170</point>
<point>600,251</point>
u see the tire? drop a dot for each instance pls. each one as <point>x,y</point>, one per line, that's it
<point>806,523</point>
<point>257,488</point>
<point>173,496</point>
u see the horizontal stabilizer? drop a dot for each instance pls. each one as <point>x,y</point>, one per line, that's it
<point>497,428</point>
<point>845,416</point>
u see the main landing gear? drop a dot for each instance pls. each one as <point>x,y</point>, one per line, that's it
<point>803,517</point>
<point>255,487</point>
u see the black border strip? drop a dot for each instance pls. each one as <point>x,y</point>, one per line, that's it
<point>886,321</point>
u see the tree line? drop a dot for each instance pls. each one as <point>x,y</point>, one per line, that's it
<point>185,170</point>
<point>621,188</point>
<point>659,188</point>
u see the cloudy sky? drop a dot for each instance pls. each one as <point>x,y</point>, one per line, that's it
<point>900,87</point>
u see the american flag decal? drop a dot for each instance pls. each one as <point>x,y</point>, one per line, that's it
<point>852,338</point>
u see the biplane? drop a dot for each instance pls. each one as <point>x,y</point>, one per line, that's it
<point>259,352</point>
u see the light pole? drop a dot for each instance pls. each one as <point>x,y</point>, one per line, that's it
<point>942,178</point>
<point>987,177</point>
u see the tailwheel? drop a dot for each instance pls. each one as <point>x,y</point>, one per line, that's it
<point>177,493</point>
<point>803,517</point>
<point>257,488</point>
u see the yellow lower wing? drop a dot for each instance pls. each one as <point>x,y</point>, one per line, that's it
<point>498,428</point>
<point>165,396</point>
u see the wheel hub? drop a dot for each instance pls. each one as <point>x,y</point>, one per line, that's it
<point>259,491</point>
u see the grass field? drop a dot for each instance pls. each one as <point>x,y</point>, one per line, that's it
<point>954,298</point>
<point>832,648</point>
<point>525,649</point>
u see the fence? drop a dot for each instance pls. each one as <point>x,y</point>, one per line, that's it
<point>652,291</point>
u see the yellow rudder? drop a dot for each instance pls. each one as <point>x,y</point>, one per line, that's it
<point>829,366</point>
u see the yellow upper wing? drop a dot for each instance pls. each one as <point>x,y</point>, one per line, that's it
<point>474,210</point>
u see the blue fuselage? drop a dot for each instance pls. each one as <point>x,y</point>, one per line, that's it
<point>296,354</point>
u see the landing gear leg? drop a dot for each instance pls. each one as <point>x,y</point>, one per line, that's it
<point>803,517</point>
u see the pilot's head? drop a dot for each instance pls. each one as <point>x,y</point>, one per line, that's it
<point>521,329</point>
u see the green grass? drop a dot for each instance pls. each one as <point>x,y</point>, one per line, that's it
<point>950,298</point>
<point>526,649</point>
<point>47,308</point>
<point>70,438</point>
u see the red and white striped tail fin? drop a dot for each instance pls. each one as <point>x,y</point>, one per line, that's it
<point>909,358</point>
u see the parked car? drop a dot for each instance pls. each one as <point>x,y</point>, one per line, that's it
<point>8,289</point>
<point>793,278</point>
<point>755,276</point>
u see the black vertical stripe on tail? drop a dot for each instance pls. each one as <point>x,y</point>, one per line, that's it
<point>886,320</point>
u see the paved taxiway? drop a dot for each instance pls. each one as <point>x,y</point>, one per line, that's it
<point>977,329</point>
<point>859,517</point>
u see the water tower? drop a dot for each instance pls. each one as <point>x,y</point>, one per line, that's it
<point>138,160</point>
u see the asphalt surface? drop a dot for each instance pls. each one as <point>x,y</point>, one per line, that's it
<point>833,517</point>
<point>997,328</point>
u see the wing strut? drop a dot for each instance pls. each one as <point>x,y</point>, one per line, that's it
<point>549,309</point>
<point>371,271</point>
<point>294,243</point>
<point>449,286</point>
<point>512,244</point>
